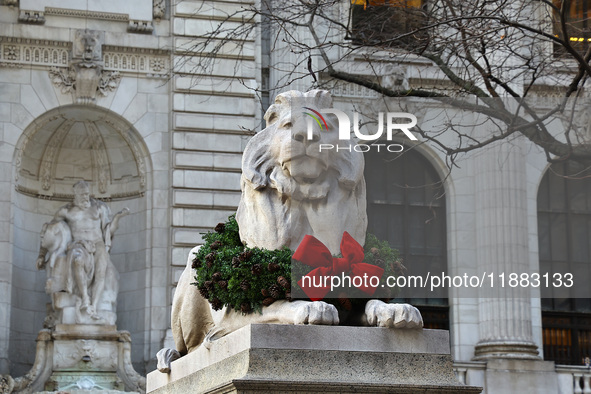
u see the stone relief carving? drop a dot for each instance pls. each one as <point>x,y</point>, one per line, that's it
<point>99,153</point>
<point>75,245</point>
<point>87,45</point>
<point>63,79</point>
<point>85,76</point>
<point>134,144</point>
<point>129,376</point>
<point>51,150</point>
<point>86,354</point>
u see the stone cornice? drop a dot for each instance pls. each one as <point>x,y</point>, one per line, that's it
<point>110,16</point>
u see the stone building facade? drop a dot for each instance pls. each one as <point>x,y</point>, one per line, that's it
<point>111,92</point>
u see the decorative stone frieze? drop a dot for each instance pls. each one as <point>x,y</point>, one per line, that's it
<point>153,62</point>
<point>109,16</point>
<point>18,52</point>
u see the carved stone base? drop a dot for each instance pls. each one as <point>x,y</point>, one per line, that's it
<point>507,350</point>
<point>79,357</point>
<point>274,358</point>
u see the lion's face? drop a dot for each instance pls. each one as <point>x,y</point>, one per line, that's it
<point>298,155</point>
<point>287,155</point>
<point>290,187</point>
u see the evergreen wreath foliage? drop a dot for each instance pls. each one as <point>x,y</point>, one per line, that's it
<point>245,279</point>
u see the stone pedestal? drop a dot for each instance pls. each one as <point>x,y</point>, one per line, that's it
<point>82,358</point>
<point>311,359</point>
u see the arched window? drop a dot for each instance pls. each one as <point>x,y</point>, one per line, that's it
<point>406,207</point>
<point>564,235</point>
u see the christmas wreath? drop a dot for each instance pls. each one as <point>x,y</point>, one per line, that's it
<point>245,279</point>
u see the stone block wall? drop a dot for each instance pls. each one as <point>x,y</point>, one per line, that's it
<point>214,114</point>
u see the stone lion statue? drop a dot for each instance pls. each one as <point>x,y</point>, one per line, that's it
<point>290,188</point>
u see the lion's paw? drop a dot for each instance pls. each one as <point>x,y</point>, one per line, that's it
<point>316,312</point>
<point>380,314</point>
<point>165,357</point>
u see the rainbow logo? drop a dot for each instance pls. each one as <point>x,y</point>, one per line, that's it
<point>316,119</point>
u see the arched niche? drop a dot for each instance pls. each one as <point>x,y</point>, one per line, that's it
<point>56,150</point>
<point>81,142</point>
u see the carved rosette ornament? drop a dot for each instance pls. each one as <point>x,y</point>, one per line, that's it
<point>85,76</point>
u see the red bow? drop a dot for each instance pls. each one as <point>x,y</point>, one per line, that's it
<point>313,253</point>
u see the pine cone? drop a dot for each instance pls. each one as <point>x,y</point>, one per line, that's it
<point>284,282</point>
<point>220,228</point>
<point>245,307</point>
<point>223,284</point>
<point>268,301</point>
<point>210,258</point>
<point>275,291</point>
<point>242,257</point>
<point>208,285</point>
<point>203,291</point>
<point>256,269</point>
<point>288,296</point>
<point>247,254</point>
<point>235,262</point>
<point>196,263</point>
<point>265,292</point>
<point>375,251</point>
<point>272,267</point>
<point>216,304</point>
<point>215,245</point>
<point>217,276</point>
<point>245,285</point>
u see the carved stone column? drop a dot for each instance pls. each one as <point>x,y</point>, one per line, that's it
<point>502,240</point>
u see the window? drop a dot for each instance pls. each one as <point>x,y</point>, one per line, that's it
<point>564,236</point>
<point>388,23</point>
<point>406,207</point>
<point>578,24</point>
